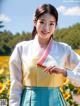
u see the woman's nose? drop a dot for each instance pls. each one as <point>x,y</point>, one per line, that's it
<point>46,27</point>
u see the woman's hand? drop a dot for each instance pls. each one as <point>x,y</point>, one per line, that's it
<point>57,70</point>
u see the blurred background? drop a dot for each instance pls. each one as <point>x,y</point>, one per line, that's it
<point>16,24</point>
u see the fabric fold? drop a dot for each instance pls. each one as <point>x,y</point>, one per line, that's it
<point>47,60</point>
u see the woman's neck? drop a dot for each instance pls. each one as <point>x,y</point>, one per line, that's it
<point>43,43</point>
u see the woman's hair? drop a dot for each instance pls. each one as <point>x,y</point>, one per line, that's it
<point>45,8</point>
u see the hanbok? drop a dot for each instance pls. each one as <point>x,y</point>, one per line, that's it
<point>30,85</point>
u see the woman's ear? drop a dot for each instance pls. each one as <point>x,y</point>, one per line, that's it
<point>34,22</point>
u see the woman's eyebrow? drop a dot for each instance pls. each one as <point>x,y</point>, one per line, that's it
<point>52,21</point>
<point>42,19</point>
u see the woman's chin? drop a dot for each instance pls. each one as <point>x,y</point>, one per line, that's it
<point>45,35</point>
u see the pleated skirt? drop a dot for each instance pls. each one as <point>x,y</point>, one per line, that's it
<point>42,96</point>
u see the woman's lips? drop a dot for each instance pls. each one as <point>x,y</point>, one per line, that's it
<point>45,32</point>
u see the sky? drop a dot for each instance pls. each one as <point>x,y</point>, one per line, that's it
<point>17,15</point>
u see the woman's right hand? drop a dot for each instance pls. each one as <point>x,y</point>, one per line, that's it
<point>55,69</point>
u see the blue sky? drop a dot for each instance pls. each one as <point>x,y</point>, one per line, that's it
<point>17,15</point>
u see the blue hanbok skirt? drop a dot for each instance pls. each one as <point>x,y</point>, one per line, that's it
<point>42,96</point>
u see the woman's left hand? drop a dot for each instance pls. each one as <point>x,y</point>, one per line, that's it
<point>55,69</point>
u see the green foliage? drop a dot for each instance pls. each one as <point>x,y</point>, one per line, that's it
<point>8,41</point>
<point>70,35</point>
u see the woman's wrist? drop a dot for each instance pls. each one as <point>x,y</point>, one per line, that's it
<point>64,72</point>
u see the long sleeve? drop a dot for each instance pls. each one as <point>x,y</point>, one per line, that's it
<point>74,77</point>
<point>15,77</point>
<point>74,72</point>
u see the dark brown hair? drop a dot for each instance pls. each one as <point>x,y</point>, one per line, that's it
<point>45,8</point>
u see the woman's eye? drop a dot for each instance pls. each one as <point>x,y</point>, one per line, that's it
<point>41,22</point>
<point>51,23</point>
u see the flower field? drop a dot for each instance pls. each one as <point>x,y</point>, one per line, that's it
<point>68,90</point>
<point>4,79</point>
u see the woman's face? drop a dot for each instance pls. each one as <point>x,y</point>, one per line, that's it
<point>45,26</point>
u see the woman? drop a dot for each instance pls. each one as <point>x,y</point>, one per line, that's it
<point>39,67</point>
